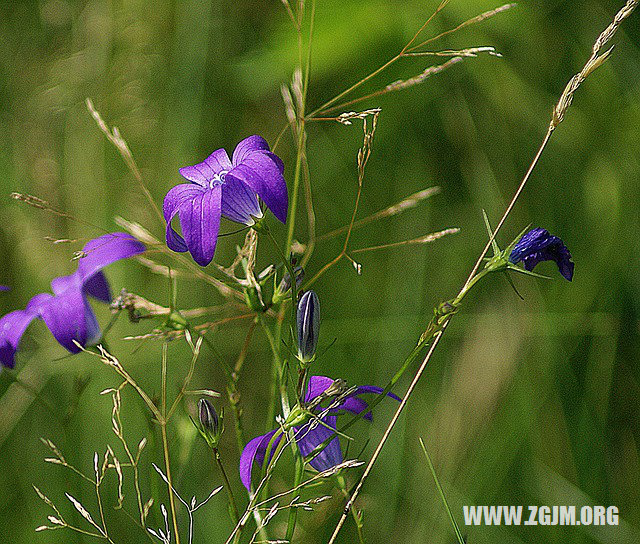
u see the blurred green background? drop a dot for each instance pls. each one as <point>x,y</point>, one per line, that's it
<point>525,402</point>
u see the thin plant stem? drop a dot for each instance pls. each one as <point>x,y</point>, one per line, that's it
<point>278,383</point>
<point>227,484</point>
<point>383,440</point>
<point>293,512</point>
<point>454,524</point>
<point>292,275</point>
<point>559,111</point>
<point>232,388</point>
<point>165,442</point>
<point>101,509</point>
<point>296,184</point>
<point>327,105</point>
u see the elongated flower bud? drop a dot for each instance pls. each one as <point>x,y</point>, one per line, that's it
<point>209,422</point>
<point>308,326</point>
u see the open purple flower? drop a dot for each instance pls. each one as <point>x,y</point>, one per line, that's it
<point>223,187</point>
<point>311,434</point>
<point>67,313</point>
<point>538,245</point>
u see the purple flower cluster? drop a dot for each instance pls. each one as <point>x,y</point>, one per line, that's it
<point>67,313</point>
<point>224,187</point>
<point>310,435</point>
<point>538,245</point>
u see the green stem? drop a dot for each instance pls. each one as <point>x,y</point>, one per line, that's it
<point>165,442</point>
<point>232,502</point>
<point>435,326</point>
<point>278,373</point>
<point>342,484</point>
<point>292,275</point>
<point>293,512</point>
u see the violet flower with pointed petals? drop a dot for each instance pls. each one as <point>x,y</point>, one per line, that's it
<point>538,245</point>
<point>310,435</point>
<point>67,313</point>
<point>223,187</point>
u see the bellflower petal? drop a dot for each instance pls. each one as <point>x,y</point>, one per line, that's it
<point>255,450</point>
<point>178,196</point>
<point>65,283</point>
<point>319,384</point>
<point>311,435</point>
<point>538,245</point>
<point>200,221</point>
<point>239,202</point>
<point>316,386</point>
<point>107,249</point>
<point>4,288</point>
<point>68,316</point>
<point>12,327</point>
<point>98,287</point>
<point>262,174</point>
<point>205,171</point>
<point>376,391</point>
<point>246,146</point>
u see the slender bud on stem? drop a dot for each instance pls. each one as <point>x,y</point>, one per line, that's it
<point>209,423</point>
<point>308,326</point>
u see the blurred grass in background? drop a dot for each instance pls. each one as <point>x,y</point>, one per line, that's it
<point>533,402</point>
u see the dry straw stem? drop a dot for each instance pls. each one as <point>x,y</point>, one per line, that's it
<point>146,237</point>
<point>113,135</point>
<point>474,20</point>
<point>594,61</point>
<point>406,83</point>
<point>426,239</point>
<point>133,304</point>
<point>468,52</point>
<point>411,50</point>
<point>44,205</point>
<point>362,159</point>
<point>405,204</point>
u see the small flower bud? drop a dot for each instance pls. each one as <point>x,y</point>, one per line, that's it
<point>285,283</point>
<point>208,416</point>
<point>209,424</point>
<point>308,326</point>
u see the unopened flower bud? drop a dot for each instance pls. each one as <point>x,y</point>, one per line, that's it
<point>209,424</point>
<point>285,283</point>
<point>308,326</point>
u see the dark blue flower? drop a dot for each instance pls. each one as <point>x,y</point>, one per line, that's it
<point>538,245</point>
<point>223,187</point>
<point>67,313</point>
<point>310,435</point>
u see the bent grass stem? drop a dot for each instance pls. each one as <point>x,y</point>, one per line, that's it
<point>594,61</point>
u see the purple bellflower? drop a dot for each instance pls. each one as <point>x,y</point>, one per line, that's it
<point>67,313</point>
<point>223,187</point>
<point>538,245</point>
<point>310,435</point>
